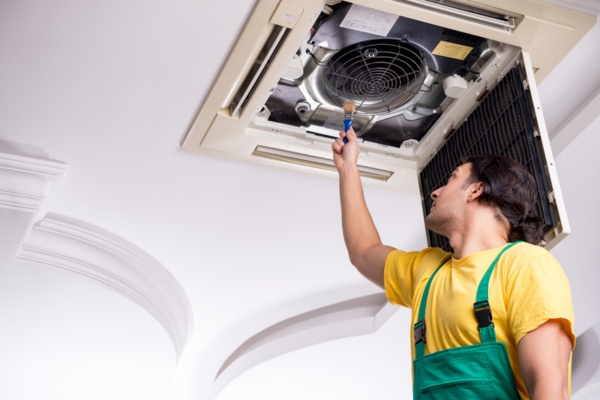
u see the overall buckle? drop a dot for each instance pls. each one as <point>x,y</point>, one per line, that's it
<point>420,331</point>
<point>483,313</point>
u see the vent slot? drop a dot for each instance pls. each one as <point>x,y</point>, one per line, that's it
<point>504,22</point>
<point>449,33</point>
<point>503,125</point>
<point>317,162</point>
<point>261,64</point>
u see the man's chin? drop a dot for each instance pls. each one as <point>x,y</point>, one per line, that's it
<point>430,223</point>
<point>434,225</point>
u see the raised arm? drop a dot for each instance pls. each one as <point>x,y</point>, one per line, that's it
<point>365,249</point>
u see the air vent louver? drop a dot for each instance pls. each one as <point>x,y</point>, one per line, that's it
<point>317,162</point>
<point>258,70</point>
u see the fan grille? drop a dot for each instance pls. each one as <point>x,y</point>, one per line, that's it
<point>378,75</point>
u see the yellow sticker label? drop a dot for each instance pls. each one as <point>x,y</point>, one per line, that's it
<point>451,50</point>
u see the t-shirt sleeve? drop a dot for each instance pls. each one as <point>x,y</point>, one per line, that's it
<point>399,277</point>
<point>538,291</point>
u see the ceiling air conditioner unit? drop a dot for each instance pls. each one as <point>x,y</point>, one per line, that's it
<point>433,80</point>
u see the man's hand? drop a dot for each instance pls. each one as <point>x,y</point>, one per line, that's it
<point>544,355</point>
<point>345,155</point>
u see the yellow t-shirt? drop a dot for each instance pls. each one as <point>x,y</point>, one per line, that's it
<point>526,288</point>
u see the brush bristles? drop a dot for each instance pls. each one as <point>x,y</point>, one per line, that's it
<point>349,107</point>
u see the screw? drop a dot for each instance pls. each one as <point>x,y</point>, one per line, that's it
<point>371,53</point>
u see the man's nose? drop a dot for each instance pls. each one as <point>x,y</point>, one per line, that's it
<point>434,194</point>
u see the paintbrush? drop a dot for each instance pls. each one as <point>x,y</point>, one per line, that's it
<point>349,111</point>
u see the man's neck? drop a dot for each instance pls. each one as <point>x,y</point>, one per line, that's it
<point>468,246</point>
<point>478,234</point>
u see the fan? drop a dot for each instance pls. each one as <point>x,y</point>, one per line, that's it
<point>378,75</point>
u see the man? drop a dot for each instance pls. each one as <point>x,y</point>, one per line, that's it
<point>496,315</point>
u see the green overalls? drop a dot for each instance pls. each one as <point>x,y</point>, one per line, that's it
<point>475,372</point>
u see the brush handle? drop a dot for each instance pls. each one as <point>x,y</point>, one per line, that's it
<point>347,125</point>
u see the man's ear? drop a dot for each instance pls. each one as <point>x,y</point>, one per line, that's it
<point>476,190</point>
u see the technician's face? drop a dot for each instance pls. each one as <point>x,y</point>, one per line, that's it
<point>449,202</point>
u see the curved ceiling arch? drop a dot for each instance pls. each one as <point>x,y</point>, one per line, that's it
<point>88,251</point>
<point>358,316</point>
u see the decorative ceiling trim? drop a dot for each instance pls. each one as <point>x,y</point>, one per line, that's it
<point>29,184</point>
<point>88,251</point>
<point>576,123</point>
<point>27,187</point>
<point>359,316</point>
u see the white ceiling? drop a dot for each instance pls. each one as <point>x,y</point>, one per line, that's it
<point>109,89</point>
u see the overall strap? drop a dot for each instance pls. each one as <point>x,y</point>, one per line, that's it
<point>483,312</point>
<point>419,328</point>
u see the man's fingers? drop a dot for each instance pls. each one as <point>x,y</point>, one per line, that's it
<point>336,148</point>
<point>351,135</point>
<point>345,137</point>
<point>338,145</point>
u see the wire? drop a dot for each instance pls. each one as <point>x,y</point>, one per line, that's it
<point>319,63</point>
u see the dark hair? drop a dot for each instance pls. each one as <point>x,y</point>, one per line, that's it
<point>510,188</point>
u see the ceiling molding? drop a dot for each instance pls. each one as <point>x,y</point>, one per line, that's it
<point>29,184</point>
<point>586,114</point>
<point>27,187</point>
<point>88,251</point>
<point>358,316</point>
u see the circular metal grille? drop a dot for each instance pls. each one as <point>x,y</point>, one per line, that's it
<point>378,75</point>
